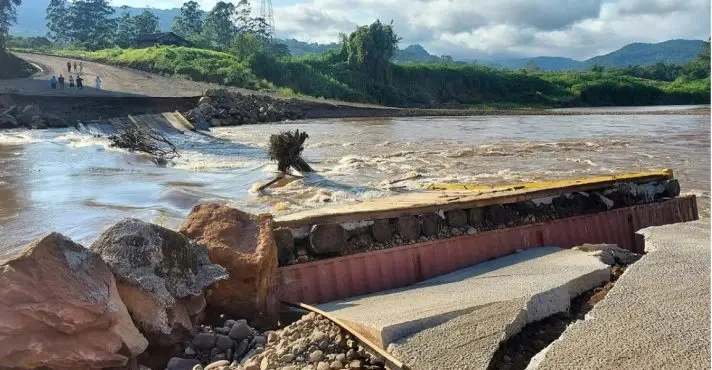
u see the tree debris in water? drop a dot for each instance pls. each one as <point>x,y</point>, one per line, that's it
<point>286,148</point>
<point>138,139</point>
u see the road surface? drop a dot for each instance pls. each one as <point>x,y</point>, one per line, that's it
<point>116,81</point>
<point>655,317</point>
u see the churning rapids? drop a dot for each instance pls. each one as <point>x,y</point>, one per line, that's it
<point>73,183</point>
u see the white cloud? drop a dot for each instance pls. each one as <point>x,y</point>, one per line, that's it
<point>473,29</point>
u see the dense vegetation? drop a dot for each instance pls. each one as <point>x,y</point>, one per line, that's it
<point>234,48</point>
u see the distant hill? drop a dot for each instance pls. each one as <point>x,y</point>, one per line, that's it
<point>544,63</point>
<point>415,53</point>
<point>670,52</point>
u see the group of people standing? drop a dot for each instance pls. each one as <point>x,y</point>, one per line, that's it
<point>78,69</point>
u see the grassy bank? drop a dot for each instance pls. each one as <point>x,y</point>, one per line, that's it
<point>14,67</point>
<point>408,85</point>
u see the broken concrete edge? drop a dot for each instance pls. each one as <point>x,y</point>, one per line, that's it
<point>536,307</point>
<point>541,356</point>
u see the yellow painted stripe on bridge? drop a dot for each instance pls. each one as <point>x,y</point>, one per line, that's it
<point>624,177</point>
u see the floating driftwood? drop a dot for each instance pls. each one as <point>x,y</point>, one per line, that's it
<point>139,139</point>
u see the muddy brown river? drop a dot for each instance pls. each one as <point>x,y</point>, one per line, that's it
<point>74,183</point>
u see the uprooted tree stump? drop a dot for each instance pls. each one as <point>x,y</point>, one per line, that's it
<point>138,139</point>
<point>286,148</point>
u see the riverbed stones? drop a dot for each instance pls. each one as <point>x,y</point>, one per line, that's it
<point>285,245</point>
<point>327,238</point>
<point>240,331</point>
<point>161,276</point>
<point>475,216</point>
<point>244,244</point>
<point>382,230</point>
<point>672,188</point>
<point>456,218</point>
<point>408,227</point>
<point>430,224</point>
<point>233,108</point>
<point>61,309</point>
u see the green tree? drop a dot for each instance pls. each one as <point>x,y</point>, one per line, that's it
<point>126,31</point>
<point>190,21</point>
<point>218,28</point>
<point>596,68</point>
<point>8,16</point>
<point>90,23</point>
<point>146,22</point>
<point>699,67</point>
<point>370,48</point>
<point>58,21</point>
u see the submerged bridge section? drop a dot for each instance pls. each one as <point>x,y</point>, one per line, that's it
<point>168,123</point>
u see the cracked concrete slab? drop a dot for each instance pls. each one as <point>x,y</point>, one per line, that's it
<point>457,321</point>
<point>655,317</point>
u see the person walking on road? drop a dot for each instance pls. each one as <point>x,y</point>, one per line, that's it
<point>53,82</point>
<point>69,66</point>
<point>97,83</point>
<point>75,67</point>
<point>71,82</point>
<point>81,67</point>
<point>80,84</point>
<point>61,82</point>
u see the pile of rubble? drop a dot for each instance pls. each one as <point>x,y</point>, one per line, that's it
<point>313,343</point>
<point>221,107</point>
<point>28,116</point>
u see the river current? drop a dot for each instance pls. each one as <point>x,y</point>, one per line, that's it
<point>74,183</point>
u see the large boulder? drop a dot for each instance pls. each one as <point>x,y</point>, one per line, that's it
<point>60,308</point>
<point>161,276</point>
<point>245,246</point>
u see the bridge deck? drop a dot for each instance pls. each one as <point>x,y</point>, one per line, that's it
<point>434,201</point>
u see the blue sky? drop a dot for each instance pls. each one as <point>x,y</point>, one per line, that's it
<point>484,28</point>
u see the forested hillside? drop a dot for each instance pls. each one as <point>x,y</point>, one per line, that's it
<point>233,47</point>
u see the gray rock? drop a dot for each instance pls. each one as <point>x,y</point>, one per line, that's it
<point>249,355</point>
<point>224,331</point>
<point>316,356</point>
<point>258,340</point>
<point>224,342</point>
<point>336,365</point>
<point>177,363</point>
<point>287,358</point>
<point>158,260</point>
<point>240,330</point>
<point>217,364</point>
<point>341,357</point>
<point>241,348</point>
<point>322,366</point>
<point>203,341</point>
<point>229,323</point>
<point>355,364</point>
<point>471,231</point>
<point>189,351</point>
<point>159,266</point>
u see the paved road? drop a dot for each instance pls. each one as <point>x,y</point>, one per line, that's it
<point>457,321</point>
<point>655,317</point>
<point>116,81</point>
